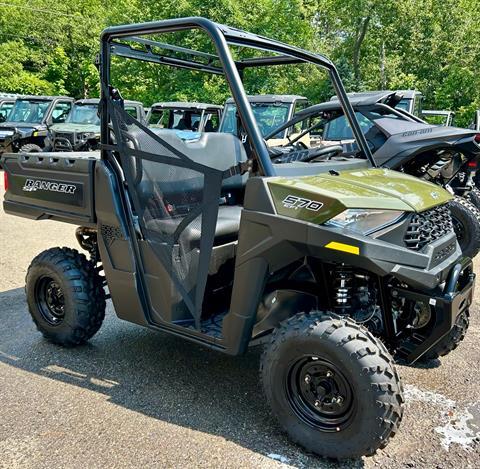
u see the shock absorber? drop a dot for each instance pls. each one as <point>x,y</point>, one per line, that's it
<point>343,284</point>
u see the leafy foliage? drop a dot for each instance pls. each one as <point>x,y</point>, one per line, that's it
<point>49,46</point>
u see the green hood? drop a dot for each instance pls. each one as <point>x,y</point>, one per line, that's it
<point>368,189</point>
<point>70,127</point>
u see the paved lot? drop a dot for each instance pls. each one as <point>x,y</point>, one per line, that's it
<point>137,398</point>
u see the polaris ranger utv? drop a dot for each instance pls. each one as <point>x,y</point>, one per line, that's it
<point>194,117</point>
<point>270,112</point>
<point>200,236</point>
<point>81,129</point>
<point>26,126</point>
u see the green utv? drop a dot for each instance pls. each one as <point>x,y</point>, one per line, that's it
<point>198,235</point>
<point>81,129</point>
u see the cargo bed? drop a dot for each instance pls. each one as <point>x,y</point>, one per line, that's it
<point>57,186</point>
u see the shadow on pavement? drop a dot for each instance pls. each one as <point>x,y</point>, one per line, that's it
<point>161,376</point>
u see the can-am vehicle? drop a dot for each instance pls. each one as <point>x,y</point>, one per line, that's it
<point>196,117</point>
<point>446,156</point>
<point>270,112</point>
<point>26,126</point>
<point>7,100</point>
<point>410,101</point>
<point>81,129</point>
<point>201,236</point>
<point>444,118</point>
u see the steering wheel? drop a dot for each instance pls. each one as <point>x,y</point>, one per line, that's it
<point>301,144</point>
<point>333,150</point>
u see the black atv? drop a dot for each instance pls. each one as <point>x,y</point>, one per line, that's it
<point>446,156</point>
<point>26,126</point>
<point>199,235</point>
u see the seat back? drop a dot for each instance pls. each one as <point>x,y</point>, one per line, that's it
<point>215,150</point>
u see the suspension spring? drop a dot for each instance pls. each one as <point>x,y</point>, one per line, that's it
<point>343,289</point>
<point>87,238</point>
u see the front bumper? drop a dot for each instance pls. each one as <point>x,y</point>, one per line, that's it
<point>446,305</point>
<point>64,144</point>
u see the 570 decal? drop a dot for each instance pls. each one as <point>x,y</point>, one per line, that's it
<point>292,201</point>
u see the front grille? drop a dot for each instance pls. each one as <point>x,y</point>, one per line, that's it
<point>426,227</point>
<point>66,135</point>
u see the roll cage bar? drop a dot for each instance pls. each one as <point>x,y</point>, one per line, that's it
<point>334,106</point>
<point>220,64</point>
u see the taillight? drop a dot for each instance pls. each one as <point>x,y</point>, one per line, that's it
<point>5,180</point>
<point>476,139</point>
<point>472,164</point>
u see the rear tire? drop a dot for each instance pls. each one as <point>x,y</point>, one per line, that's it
<point>466,223</point>
<point>474,197</point>
<point>30,148</point>
<point>332,385</point>
<point>65,296</point>
<point>452,339</point>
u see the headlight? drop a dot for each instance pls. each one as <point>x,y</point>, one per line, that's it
<point>88,135</point>
<point>365,221</point>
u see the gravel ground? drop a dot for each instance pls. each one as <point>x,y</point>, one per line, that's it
<point>134,397</point>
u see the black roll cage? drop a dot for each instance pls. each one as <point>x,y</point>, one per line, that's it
<point>221,36</point>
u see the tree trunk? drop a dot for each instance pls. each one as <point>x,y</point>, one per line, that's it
<point>359,37</point>
<point>383,77</point>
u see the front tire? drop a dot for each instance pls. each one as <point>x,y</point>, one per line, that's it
<point>332,385</point>
<point>466,224</point>
<point>30,148</point>
<point>65,296</point>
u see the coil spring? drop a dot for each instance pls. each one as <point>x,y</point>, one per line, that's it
<point>343,289</point>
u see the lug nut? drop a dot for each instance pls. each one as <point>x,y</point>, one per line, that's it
<point>329,374</point>
<point>317,403</point>
<point>307,378</point>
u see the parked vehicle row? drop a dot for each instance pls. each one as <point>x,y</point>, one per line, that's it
<point>310,245</point>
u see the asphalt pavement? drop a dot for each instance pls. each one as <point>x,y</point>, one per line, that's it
<point>133,397</point>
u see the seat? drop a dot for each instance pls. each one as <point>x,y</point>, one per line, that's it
<point>226,229</point>
<point>209,127</point>
<point>216,150</point>
<point>182,125</point>
<point>181,188</point>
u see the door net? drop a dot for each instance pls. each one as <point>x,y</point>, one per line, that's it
<point>176,199</point>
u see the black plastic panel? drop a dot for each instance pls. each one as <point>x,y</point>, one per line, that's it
<point>51,185</point>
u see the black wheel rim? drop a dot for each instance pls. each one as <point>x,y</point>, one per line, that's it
<point>459,229</point>
<point>319,394</point>
<point>50,300</point>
